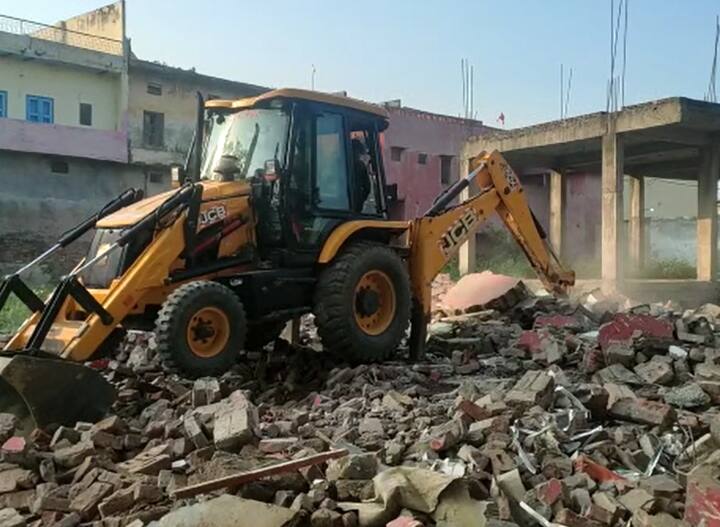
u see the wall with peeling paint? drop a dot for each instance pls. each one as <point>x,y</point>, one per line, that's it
<point>419,132</point>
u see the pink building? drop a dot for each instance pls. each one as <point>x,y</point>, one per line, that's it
<point>421,153</point>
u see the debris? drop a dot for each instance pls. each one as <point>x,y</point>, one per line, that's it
<point>229,511</point>
<point>703,494</point>
<point>477,291</point>
<point>235,480</point>
<point>235,423</point>
<point>643,411</point>
<point>688,396</point>
<point>534,388</point>
<point>655,372</point>
<point>517,417</point>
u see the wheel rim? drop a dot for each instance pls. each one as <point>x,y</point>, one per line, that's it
<point>375,302</point>
<point>208,332</point>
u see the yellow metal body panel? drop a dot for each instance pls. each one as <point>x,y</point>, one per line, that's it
<point>212,191</point>
<point>435,240</point>
<point>147,273</point>
<point>307,95</point>
<point>341,234</point>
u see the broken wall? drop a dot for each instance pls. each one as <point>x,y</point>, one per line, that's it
<point>37,204</point>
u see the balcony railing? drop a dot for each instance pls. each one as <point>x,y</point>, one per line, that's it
<point>20,26</point>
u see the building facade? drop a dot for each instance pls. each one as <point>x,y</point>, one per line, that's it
<point>162,112</point>
<point>421,154</point>
<point>81,120</point>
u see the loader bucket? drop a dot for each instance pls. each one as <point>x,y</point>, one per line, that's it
<point>42,391</point>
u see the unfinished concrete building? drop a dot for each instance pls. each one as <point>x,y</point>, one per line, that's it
<point>675,138</point>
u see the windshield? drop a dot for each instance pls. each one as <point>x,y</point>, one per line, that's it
<point>238,144</point>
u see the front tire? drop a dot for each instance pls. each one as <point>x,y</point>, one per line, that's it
<point>201,329</point>
<point>362,303</point>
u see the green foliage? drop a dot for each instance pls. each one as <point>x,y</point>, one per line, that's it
<point>669,269</point>
<point>452,268</point>
<point>498,252</point>
<point>14,312</point>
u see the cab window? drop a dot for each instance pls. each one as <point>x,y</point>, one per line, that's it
<point>331,163</point>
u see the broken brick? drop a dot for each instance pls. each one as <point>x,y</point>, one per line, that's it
<point>86,503</point>
<point>73,455</point>
<point>625,328</point>
<point>533,388</point>
<point>150,461</point>
<point>643,411</point>
<point>550,492</point>
<point>655,372</point>
<point>277,445</point>
<point>15,479</point>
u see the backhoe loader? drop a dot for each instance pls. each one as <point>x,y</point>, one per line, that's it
<point>281,210</point>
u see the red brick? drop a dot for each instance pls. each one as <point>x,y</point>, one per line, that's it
<point>625,328</point>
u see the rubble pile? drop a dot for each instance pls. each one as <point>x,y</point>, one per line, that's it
<point>527,411</point>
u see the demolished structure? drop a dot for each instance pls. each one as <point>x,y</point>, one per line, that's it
<point>528,411</point>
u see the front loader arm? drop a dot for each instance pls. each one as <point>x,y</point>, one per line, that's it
<point>438,236</point>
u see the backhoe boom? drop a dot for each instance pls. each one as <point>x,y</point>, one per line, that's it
<point>438,236</point>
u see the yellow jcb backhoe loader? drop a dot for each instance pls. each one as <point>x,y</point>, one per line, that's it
<point>282,211</point>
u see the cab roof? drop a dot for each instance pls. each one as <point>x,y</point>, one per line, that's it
<point>306,95</point>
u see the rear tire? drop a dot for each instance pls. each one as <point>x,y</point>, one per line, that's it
<point>362,303</point>
<point>201,329</point>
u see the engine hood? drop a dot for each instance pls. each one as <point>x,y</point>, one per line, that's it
<point>212,190</point>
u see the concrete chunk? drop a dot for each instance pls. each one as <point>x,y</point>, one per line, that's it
<point>229,511</point>
<point>533,388</point>
<point>688,396</point>
<point>635,499</point>
<point>618,353</point>
<point>11,518</point>
<point>655,372</point>
<point>235,423</point>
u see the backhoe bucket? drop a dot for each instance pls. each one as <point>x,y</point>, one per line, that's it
<point>43,391</point>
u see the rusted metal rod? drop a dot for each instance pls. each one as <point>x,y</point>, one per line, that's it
<point>235,480</point>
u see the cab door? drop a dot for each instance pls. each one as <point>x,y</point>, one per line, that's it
<point>317,193</point>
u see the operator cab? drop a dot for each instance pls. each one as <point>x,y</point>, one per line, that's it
<point>313,161</point>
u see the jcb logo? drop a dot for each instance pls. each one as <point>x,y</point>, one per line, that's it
<point>213,215</point>
<point>457,234</point>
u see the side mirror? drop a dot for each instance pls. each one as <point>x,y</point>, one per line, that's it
<point>391,193</point>
<point>177,176</point>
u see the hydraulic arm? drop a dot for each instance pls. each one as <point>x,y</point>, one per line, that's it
<point>437,236</point>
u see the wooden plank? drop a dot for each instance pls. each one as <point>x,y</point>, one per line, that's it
<point>235,480</point>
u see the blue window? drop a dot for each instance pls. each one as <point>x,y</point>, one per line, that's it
<point>3,103</point>
<point>39,109</point>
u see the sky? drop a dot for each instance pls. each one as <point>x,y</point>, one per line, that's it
<point>411,50</point>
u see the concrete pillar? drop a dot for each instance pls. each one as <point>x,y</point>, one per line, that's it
<point>123,94</point>
<point>707,213</point>
<point>612,211</point>
<point>556,210</point>
<point>636,227</point>
<point>467,257</point>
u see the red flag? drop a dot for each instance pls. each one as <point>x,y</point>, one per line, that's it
<point>501,118</point>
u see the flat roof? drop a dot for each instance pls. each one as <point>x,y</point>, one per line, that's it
<point>662,138</point>
<point>192,76</point>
